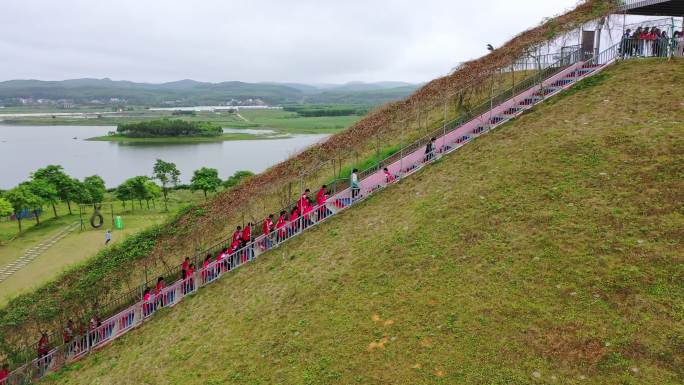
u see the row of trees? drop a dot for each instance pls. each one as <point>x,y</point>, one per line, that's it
<point>47,187</point>
<point>50,185</point>
<point>143,188</point>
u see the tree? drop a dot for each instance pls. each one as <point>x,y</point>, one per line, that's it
<point>46,191</point>
<point>78,192</point>
<point>152,192</point>
<point>54,174</point>
<point>123,193</point>
<point>22,199</point>
<point>5,208</point>
<point>95,186</point>
<point>236,178</point>
<point>166,172</point>
<point>138,188</point>
<point>205,179</point>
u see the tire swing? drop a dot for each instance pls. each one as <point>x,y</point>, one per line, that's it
<point>96,220</point>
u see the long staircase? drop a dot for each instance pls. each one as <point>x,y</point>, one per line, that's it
<point>551,80</point>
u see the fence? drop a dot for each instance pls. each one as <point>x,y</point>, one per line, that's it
<point>409,159</point>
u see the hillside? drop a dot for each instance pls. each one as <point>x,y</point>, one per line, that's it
<point>189,92</point>
<point>546,252</point>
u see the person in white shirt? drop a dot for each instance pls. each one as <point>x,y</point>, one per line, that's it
<point>355,187</point>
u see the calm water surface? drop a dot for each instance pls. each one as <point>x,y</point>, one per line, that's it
<point>23,149</point>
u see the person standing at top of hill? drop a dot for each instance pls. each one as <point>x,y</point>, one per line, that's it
<point>108,237</point>
<point>625,44</point>
<point>354,182</point>
<point>679,41</point>
<point>637,47</point>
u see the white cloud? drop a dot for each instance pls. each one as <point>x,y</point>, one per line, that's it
<point>268,40</point>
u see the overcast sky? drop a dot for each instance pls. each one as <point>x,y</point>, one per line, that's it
<point>269,40</point>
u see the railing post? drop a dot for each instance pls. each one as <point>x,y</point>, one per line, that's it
<point>446,106</point>
<point>401,151</point>
<point>491,103</point>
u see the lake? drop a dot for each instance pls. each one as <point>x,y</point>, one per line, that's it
<point>23,149</point>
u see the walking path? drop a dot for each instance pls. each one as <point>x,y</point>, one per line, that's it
<point>34,252</point>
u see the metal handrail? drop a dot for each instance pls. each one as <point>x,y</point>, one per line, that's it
<point>544,70</point>
<point>109,330</point>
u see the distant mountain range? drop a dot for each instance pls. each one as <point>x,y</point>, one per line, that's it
<point>190,92</point>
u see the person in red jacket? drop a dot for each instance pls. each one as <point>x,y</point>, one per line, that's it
<point>161,297</point>
<point>321,199</point>
<point>267,229</point>
<point>234,252</point>
<point>247,234</point>
<point>161,284</point>
<point>4,373</point>
<point>307,214</point>
<point>389,178</point>
<point>237,235</point>
<point>303,201</point>
<point>189,284</point>
<point>322,195</point>
<point>184,268</point>
<point>280,226</point>
<point>220,260</point>
<point>247,241</point>
<point>295,222</point>
<point>43,345</point>
<point>148,305</point>
<point>207,273</point>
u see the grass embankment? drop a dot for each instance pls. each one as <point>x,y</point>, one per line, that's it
<point>76,247</point>
<point>549,251</point>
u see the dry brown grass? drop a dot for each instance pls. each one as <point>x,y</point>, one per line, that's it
<point>267,192</point>
<point>383,121</point>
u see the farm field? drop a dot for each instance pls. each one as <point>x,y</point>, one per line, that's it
<point>279,121</point>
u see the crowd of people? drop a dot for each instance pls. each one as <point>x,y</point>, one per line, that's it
<point>651,42</point>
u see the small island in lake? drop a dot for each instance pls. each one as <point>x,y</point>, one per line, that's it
<point>172,130</point>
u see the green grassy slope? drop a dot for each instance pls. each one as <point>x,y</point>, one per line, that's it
<point>549,251</point>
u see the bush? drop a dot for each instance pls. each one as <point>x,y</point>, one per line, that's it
<point>168,127</point>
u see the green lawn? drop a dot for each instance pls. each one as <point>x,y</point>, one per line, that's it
<point>290,122</point>
<point>549,251</point>
<point>78,245</point>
